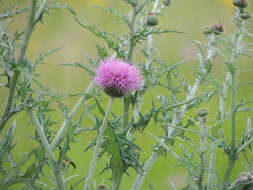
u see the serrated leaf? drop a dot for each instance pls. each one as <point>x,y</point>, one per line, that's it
<point>80,65</point>
<point>71,10</point>
<point>30,171</point>
<point>100,108</point>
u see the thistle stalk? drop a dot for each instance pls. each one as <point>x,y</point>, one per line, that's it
<point>49,152</point>
<point>202,149</point>
<point>148,65</point>
<point>211,168</point>
<point>238,34</point>
<point>10,97</point>
<point>131,24</point>
<point>98,143</point>
<point>177,117</point>
<point>147,167</point>
<point>64,128</point>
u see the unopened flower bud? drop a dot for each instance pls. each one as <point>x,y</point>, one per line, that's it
<point>240,3</point>
<point>245,15</point>
<point>202,113</point>
<point>207,30</point>
<point>217,29</point>
<point>167,2</point>
<point>152,20</point>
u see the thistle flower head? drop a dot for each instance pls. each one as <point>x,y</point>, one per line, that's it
<point>117,78</point>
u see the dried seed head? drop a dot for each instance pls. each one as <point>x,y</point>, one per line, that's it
<point>167,2</point>
<point>152,20</point>
<point>240,3</point>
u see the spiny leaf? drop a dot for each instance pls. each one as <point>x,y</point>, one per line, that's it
<point>112,12</point>
<point>80,65</point>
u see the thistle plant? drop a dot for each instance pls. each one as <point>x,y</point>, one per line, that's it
<point>116,78</point>
<point>128,69</point>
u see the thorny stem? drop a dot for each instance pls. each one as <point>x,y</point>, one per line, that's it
<point>202,151</point>
<point>49,152</point>
<point>64,129</point>
<point>152,159</point>
<point>211,168</point>
<point>131,25</point>
<point>147,167</point>
<point>40,11</point>
<point>137,106</point>
<point>98,143</point>
<point>9,101</point>
<point>126,107</point>
<point>117,181</point>
<point>175,120</point>
<point>239,28</point>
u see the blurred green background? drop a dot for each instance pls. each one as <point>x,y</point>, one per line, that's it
<point>60,30</point>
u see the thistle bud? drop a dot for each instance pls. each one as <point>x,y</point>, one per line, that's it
<point>240,3</point>
<point>217,28</point>
<point>167,2</point>
<point>245,15</point>
<point>202,113</point>
<point>207,30</point>
<point>152,20</point>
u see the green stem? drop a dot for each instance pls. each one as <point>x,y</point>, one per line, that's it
<point>232,155</point>
<point>9,101</point>
<point>211,168</point>
<point>98,143</point>
<point>130,56</point>
<point>201,173</point>
<point>49,152</point>
<point>64,128</point>
<point>40,11</point>
<point>131,28</point>
<point>126,106</point>
<point>202,150</point>
<point>232,72</point>
<point>229,170</point>
<point>117,181</point>
<point>146,168</point>
<point>233,106</point>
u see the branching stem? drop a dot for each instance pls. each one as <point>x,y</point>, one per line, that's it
<point>49,152</point>
<point>239,27</point>
<point>9,101</point>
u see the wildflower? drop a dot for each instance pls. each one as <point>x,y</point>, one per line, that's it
<point>117,78</point>
<point>152,20</point>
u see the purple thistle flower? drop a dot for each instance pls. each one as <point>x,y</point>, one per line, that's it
<point>117,78</point>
